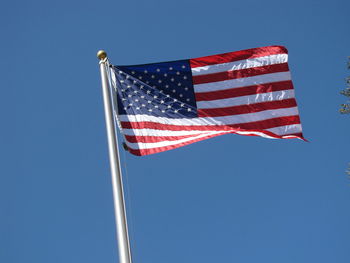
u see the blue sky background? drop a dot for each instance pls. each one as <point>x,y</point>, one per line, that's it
<point>228,199</point>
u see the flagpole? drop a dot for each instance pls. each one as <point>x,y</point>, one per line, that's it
<point>117,184</point>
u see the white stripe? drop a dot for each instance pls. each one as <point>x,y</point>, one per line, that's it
<point>234,119</point>
<point>242,82</point>
<point>281,130</point>
<point>246,100</point>
<point>141,145</point>
<point>154,132</point>
<point>241,64</point>
<point>288,129</point>
<point>261,134</point>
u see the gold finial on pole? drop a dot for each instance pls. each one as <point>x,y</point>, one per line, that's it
<point>101,54</point>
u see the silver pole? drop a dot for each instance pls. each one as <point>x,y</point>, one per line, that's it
<point>117,184</point>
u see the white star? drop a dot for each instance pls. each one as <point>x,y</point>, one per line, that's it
<point>179,84</point>
<point>167,95</point>
<point>160,81</point>
<point>146,71</point>
<point>120,72</point>
<point>178,73</point>
<point>166,86</point>
<point>163,111</point>
<point>154,87</point>
<point>175,100</point>
<point>181,95</point>
<point>124,108</point>
<point>142,97</point>
<point>143,105</point>
<point>135,81</point>
<point>161,91</point>
<point>135,91</point>
<point>172,79</point>
<point>140,77</point>
<point>132,72</point>
<point>156,106</point>
<point>171,68</point>
<point>122,81</point>
<point>123,90</point>
<point>187,99</point>
<point>186,88</point>
<point>123,99</point>
<point>152,76</point>
<point>128,87</point>
<point>165,74</point>
<point>158,69</point>
<point>136,100</point>
<point>129,95</point>
<point>185,77</point>
<point>155,97</point>
<point>169,106</point>
<point>149,110</point>
<point>127,76</point>
<point>174,90</point>
<point>149,101</point>
<point>148,91</point>
<point>176,111</point>
<point>147,82</point>
<point>188,109</point>
<point>162,101</point>
<point>141,87</point>
<point>182,104</point>
<point>183,66</point>
<point>130,104</point>
<point>137,108</point>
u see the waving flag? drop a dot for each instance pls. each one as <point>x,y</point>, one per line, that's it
<point>162,106</point>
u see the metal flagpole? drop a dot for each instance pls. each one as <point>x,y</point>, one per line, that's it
<point>117,184</point>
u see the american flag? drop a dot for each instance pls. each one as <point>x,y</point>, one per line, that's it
<point>162,106</point>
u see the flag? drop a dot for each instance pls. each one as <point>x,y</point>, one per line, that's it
<point>162,106</point>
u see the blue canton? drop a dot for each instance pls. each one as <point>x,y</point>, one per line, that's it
<point>159,89</point>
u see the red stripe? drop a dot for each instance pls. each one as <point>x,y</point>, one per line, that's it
<point>298,135</point>
<point>250,108</point>
<point>269,123</point>
<point>264,124</point>
<point>244,91</point>
<point>237,55</point>
<point>152,139</point>
<point>260,125</point>
<point>141,152</point>
<point>242,73</point>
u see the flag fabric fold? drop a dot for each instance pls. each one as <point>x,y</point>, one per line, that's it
<point>162,106</point>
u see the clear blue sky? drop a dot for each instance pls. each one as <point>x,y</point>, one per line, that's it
<point>228,199</point>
